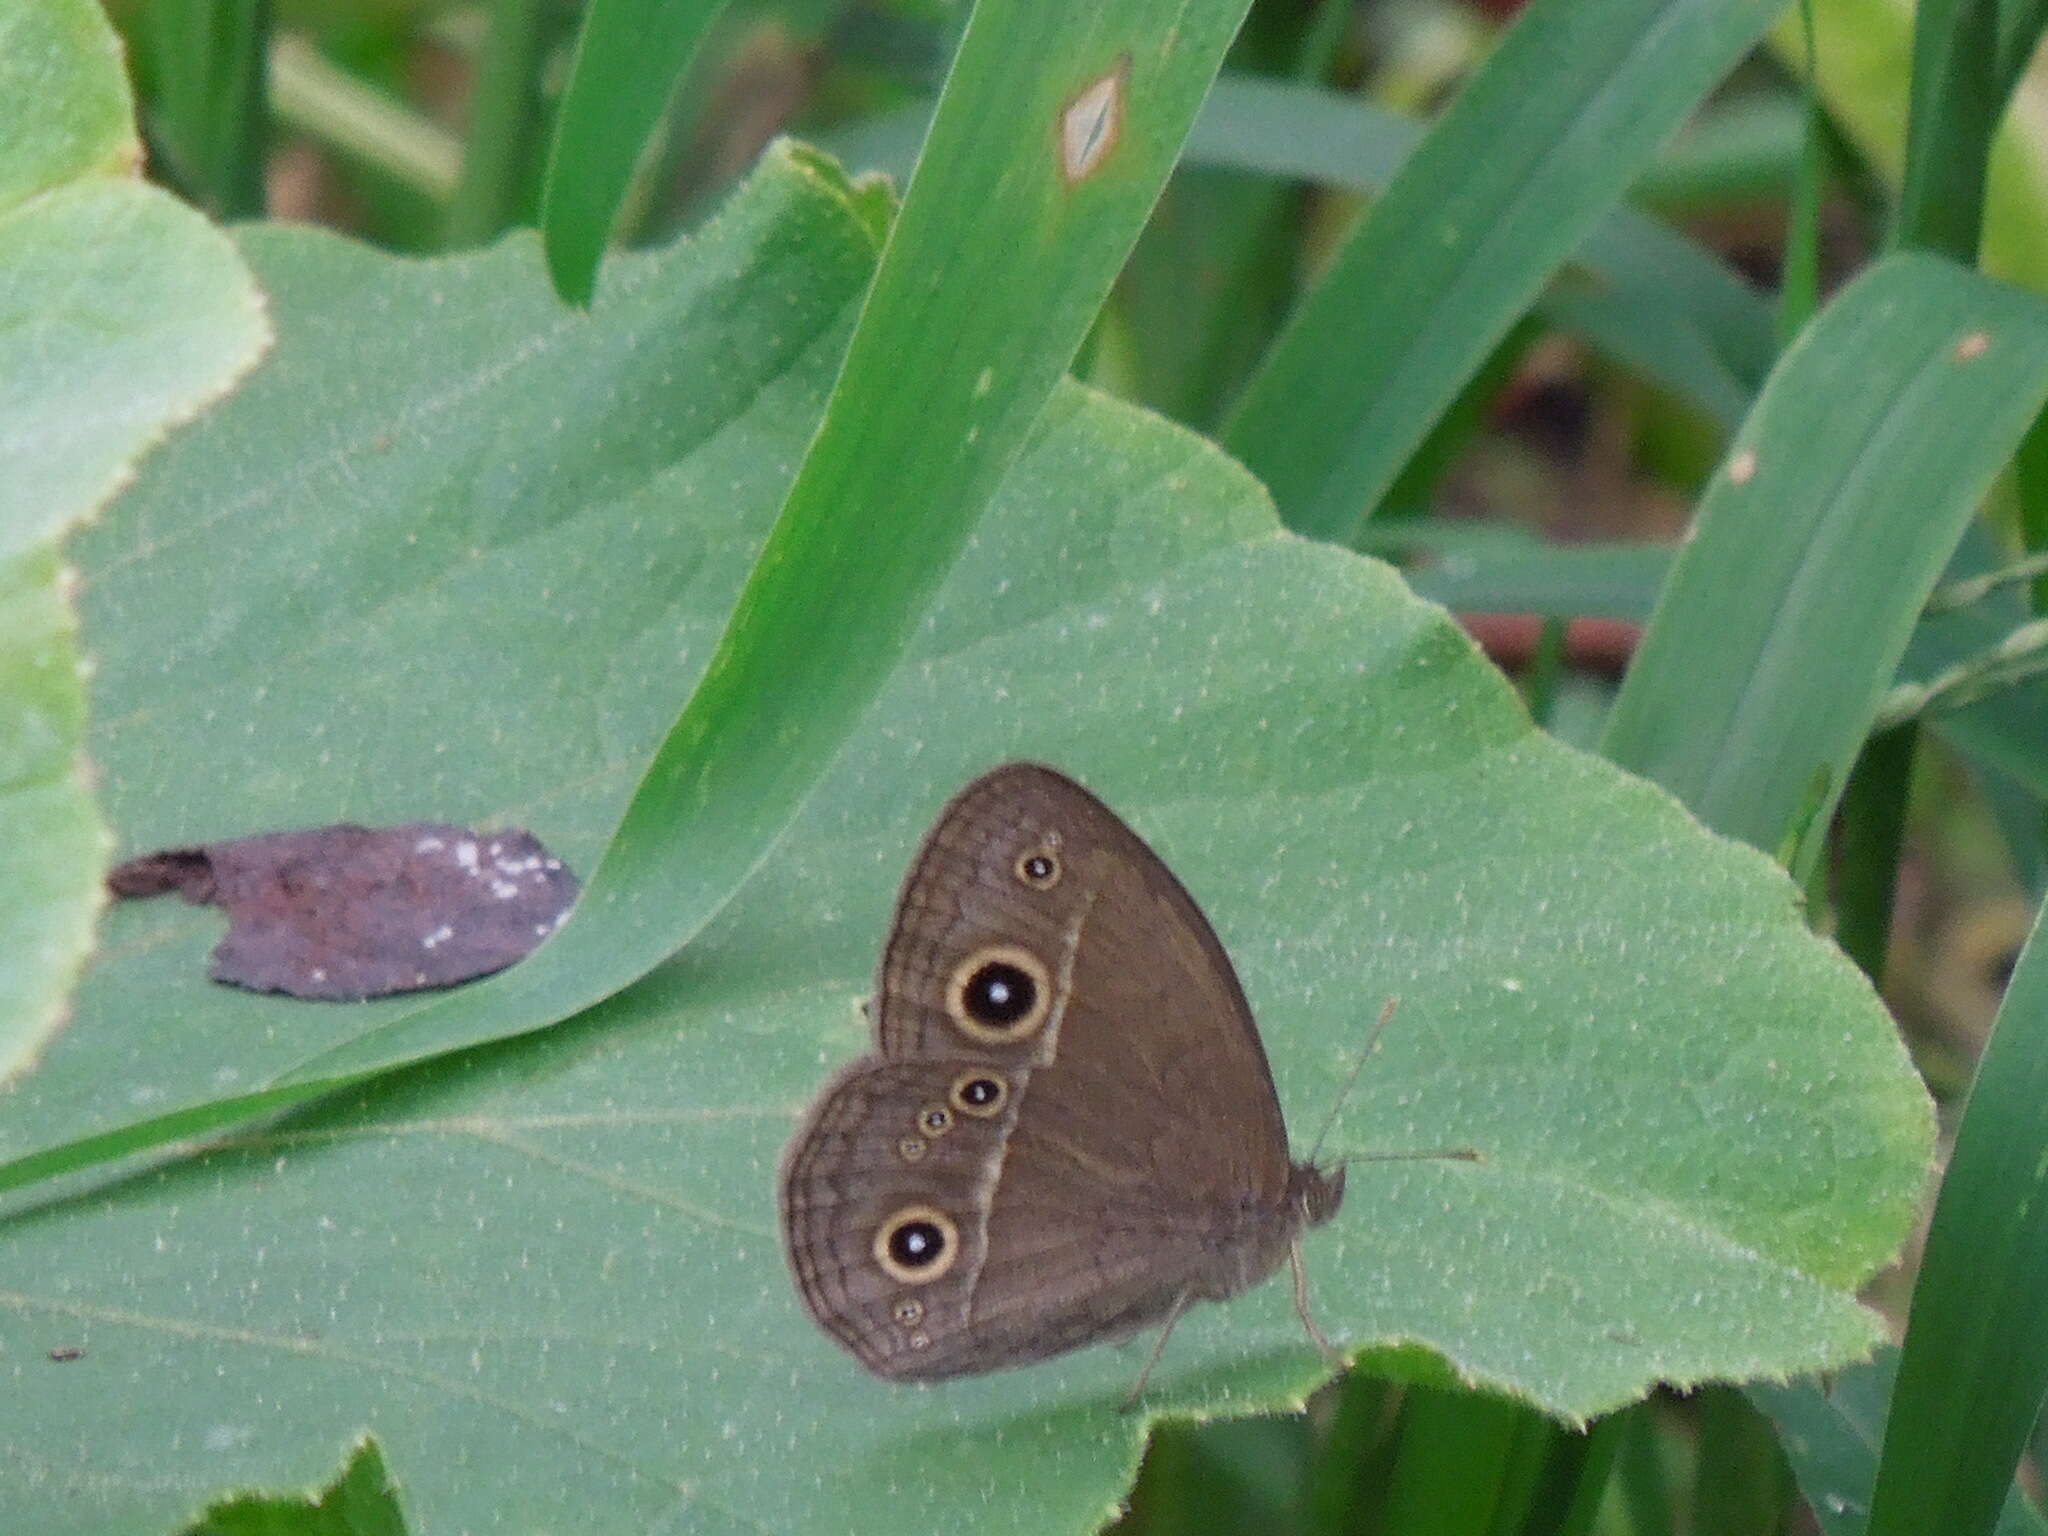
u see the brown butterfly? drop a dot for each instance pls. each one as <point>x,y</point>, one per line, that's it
<point>1068,1130</point>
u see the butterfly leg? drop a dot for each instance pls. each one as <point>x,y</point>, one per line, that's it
<point>1330,1351</point>
<point>1158,1348</point>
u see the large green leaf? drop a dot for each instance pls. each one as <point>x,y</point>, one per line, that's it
<point>64,103</point>
<point>121,313</point>
<point>467,560</point>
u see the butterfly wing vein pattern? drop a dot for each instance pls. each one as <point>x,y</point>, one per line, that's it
<point>1068,1129</point>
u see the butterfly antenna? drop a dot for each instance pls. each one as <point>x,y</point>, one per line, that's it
<point>1372,1044</point>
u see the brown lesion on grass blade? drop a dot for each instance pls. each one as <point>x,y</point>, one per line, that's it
<point>1092,121</point>
<point>342,913</point>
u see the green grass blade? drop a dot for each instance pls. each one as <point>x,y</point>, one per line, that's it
<point>502,145</point>
<point>357,122</point>
<point>1573,1487</point>
<point>2030,488</point>
<point>2020,23</point>
<point>1819,540</point>
<point>1743,149</point>
<point>1498,567</point>
<point>1649,338</point>
<point>1643,1479</point>
<point>1496,571</point>
<point>1830,1439</point>
<point>2009,732</point>
<point>1545,669</point>
<point>1463,1463</point>
<point>628,58</point>
<point>1832,1456</point>
<point>1231,1475</point>
<point>1542,141</point>
<point>1869,834</point>
<point>1739,1485</point>
<point>1955,104</point>
<point>1308,134</point>
<point>1658,302</point>
<point>141,1135</point>
<point>1348,1472</point>
<point>1799,274</point>
<point>1215,272</point>
<point>2020,823</point>
<point>1974,1363</point>
<point>1462,422</point>
<point>1866,66</point>
<point>205,61</point>
<point>1210,279</point>
<point>1480,569</point>
<point>1471,1464</point>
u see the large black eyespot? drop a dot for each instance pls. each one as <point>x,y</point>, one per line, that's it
<point>917,1244</point>
<point>979,1093</point>
<point>999,994</point>
<point>1039,868</point>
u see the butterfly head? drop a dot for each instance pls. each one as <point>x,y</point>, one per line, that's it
<point>1316,1192</point>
